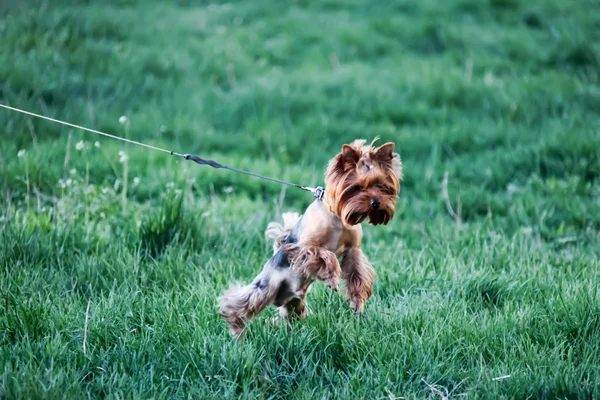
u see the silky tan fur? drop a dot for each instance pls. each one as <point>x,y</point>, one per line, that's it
<point>362,182</point>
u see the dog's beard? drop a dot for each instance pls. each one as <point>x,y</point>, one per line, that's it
<point>380,217</point>
<point>356,209</point>
<point>355,218</point>
<point>353,208</point>
<point>376,217</point>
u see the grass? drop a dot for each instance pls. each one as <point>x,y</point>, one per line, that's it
<point>501,301</point>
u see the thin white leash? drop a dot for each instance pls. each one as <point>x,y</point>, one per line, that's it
<point>90,130</point>
<point>318,191</point>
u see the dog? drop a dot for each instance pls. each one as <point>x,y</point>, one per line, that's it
<point>361,182</point>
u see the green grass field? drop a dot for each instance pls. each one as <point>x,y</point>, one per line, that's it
<point>501,300</point>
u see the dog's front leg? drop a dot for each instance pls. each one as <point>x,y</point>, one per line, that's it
<point>316,262</point>
<point>359,276</point>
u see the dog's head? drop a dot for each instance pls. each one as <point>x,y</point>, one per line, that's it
<point>364,181</point>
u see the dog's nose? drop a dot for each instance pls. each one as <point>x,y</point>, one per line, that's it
<point>375,203</point>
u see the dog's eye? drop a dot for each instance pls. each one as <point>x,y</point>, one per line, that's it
<point>384,189</point>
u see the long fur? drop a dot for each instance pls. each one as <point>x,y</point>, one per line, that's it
<point>361,182</point>
<point>359,173</point>
<point>278,232</point>
<point>316,261</point>
<point>359,276</point>
<point>242,302</point>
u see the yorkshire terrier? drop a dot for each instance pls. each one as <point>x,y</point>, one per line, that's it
<point>360,182</point>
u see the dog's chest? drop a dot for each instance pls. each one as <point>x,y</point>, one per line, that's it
<point>320,227</point>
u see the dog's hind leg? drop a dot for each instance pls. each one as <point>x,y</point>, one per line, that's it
<point>293,309</point>
<point>241,303</point>
<point>274,285</point>
<point>296,307</point>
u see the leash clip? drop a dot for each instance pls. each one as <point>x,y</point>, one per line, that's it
<point>319,193</point>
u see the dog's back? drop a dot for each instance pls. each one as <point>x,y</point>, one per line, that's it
<point>279,232</point>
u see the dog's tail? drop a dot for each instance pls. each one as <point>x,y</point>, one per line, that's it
<point>279,232</point>
<point>241,302</point>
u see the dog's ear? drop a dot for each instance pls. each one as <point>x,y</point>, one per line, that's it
<point>343,162</point>
<point>385,152</point>
<point>349,154</point>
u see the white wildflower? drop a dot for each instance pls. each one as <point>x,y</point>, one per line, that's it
<point>123,120</point>
<point>68,182</point>
<point>512,188</point>
<point>191,181</point>
<point>102,215</point>
<point>170,185</point>
<point>136,181</point>
<point>73,171</point>
<point>21,153</point>
<point>123,157</point>
<point>163,129</point>
<point>97,144</point>
<point>177,192</point>
<point>62,183</point>
<point>105,190</point>
<point>80,145</point>
<point>261,62</point>
<point>206,213</point>
<point>228,189</point>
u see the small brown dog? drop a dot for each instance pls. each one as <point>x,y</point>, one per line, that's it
<point>361,182</point>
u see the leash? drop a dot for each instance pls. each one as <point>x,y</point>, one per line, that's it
<point>318,191</point>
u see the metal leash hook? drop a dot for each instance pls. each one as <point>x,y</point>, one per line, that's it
<point>319,193</point>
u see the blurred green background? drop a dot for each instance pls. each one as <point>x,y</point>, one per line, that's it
<point>499,96</point>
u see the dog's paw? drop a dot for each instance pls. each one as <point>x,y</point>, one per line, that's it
<point>357,306</point>
<point>333,283</point>
<point>238,334</point>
